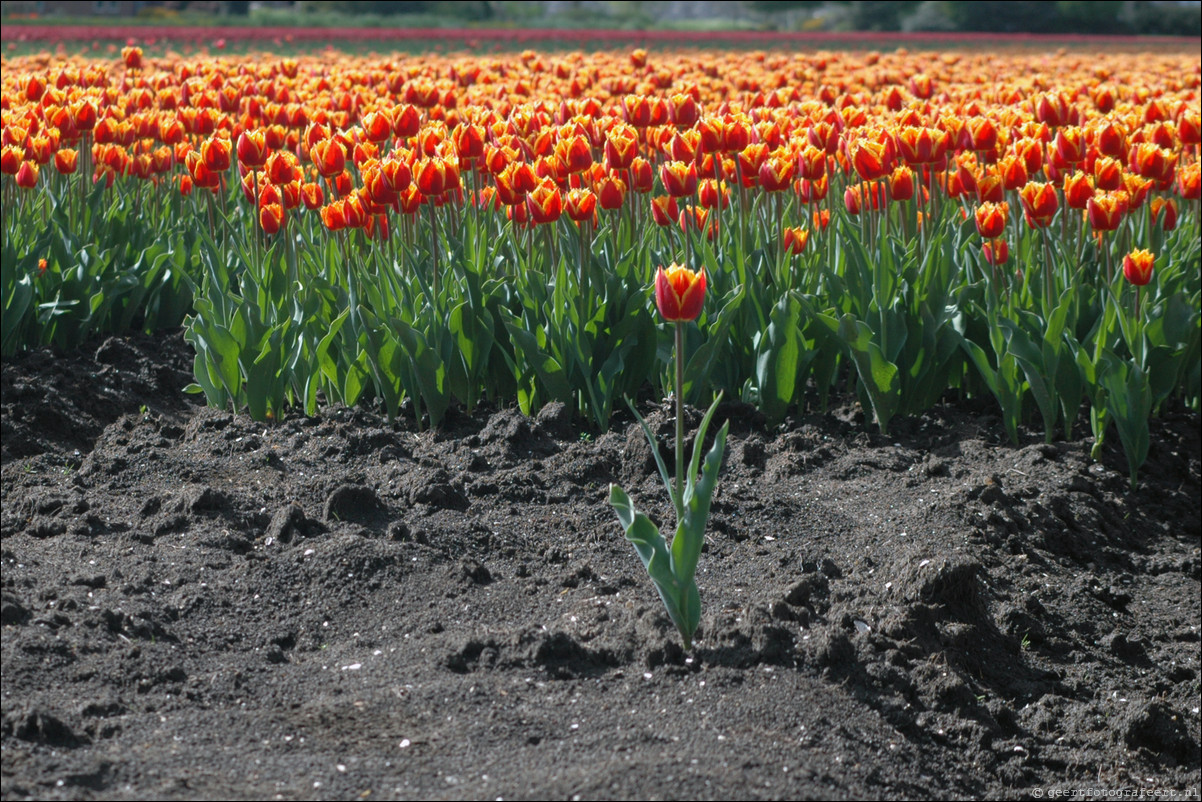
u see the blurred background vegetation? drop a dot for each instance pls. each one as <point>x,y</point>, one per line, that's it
<point>1130,17</point>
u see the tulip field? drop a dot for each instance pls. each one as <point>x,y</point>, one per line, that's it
<point>433,232</point>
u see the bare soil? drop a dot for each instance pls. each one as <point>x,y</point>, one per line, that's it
<point>196,605</point>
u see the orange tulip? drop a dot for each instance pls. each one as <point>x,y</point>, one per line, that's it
<point>11,158</point>
<point>1052,109</point>
<point>679,178</point>
<point>1107,173</point>
<point>682,145</point>
<point>252,148</point>
<point>581,205</point>
<point>664,210</point>
<point>921,86</point>
<point>991,219</point>
<point>901,183</point>
<point>1151,161</point>
<point>921,145</point>
<point>430,175</point>
<point>396,173</point>
<point>377,126</point>
<point>794,240</point>
<point>329,156</point>
<point>410,200</point>
<point>334,215</point>
<point>713,195</point>
<point>1078,189</point>
<point>611,192</point>
<point>1110,139</point>
<point>990,187</point>
<point>545,202</point>
<point>406,121</point>
<point>1164,213</point>
<point>679,293</point>
<point>813,191</point>
<point>106,131</point>
<point>750,159</point>
<point>1137,267</point>
<point>1189,181</point>
<point>1069,145</point>
<point>519,213</point>
<point>710,134</point>
<point>870,160</point>
<point>637,110</point>
<point>282,167</point>
<point>312,196</point>
<point>575,153</point>
<point>852,199</point>
<point>66,161</point>
<point>621,147</point>
<point>736,135</point>
<point>250,181</point>
<point>341,184</point>
<point>271,217</point>
<point>776,173</point>
<point>979,134</point>
<point>811,163</point>
<point>1031,153</point>
<point>1105,210</point>
<point>1137,189</point>
<point>200,173</point>
<point>996,251</point>
<point>697,219</point>
<point>685,112</point>
<point>35,87</point>
<point>83,115</point>
<point>1040,203</point>
<point>215,151</point>
<point>642,178</point>
<point>514,182</point>
<point>27,175</point>
<point>364,152</point>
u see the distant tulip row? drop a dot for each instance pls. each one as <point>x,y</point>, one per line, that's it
<point>456,228</point>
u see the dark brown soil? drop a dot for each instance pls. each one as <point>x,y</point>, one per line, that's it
<point>199,606</point>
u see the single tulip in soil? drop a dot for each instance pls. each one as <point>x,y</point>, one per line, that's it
<point>679,295</point>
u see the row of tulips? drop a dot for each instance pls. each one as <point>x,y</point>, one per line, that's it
<point>464,229</point>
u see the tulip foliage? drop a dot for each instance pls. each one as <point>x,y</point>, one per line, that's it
<point>430,232</point>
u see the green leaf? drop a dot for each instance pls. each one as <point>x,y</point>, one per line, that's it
<point>690,534</point>
<point>549,371</point>
<point>778,357</point>
<point>681,600</point>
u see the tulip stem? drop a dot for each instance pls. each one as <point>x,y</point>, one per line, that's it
<point>433,254</point>
<point>679,421</point>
